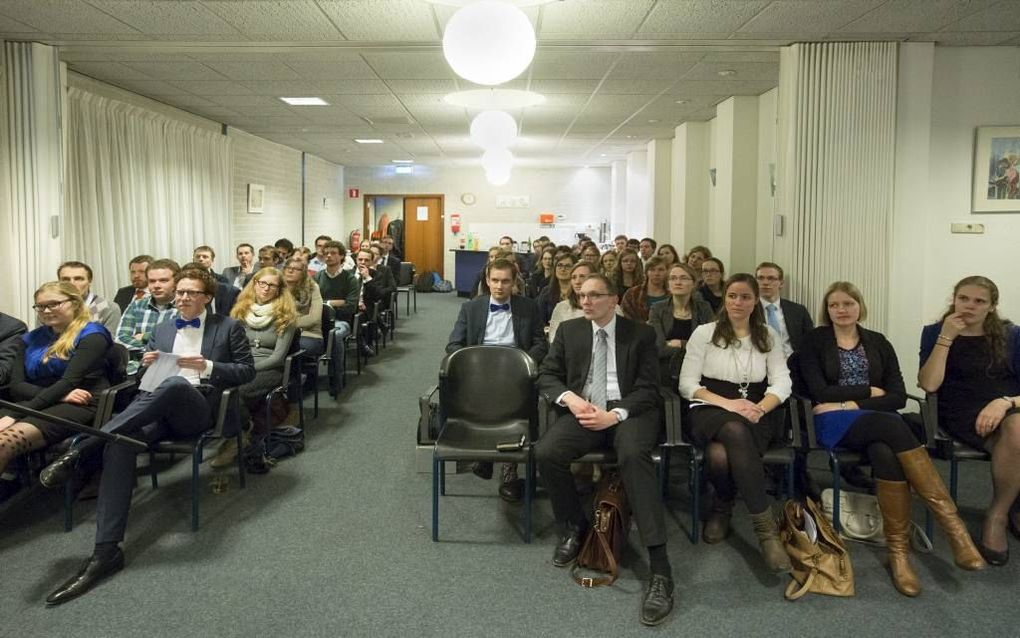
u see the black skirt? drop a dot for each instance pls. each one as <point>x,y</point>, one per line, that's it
<point>706,420</point>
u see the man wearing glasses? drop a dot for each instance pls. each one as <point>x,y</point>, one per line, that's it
<point>790,319</point>
<point>142,315</point>
<point>602,371</point>
<point>210,350</point>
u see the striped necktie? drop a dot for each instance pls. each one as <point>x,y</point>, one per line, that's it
<point>599,370</point>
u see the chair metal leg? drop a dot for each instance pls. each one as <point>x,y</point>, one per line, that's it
<point>663,471</point>
<point>834,464</point>
<point>436,478</point>
<point>790,489</point>
<point>68,506</point>
<point>442,478</point>
<point>529,479</point>
<point>414,291</point>
<point>695,498</point>
<point>152,470</point>
<point>954,477</point>
<point>240,460</point>
<point>195,486</point>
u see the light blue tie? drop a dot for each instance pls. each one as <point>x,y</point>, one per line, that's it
<point>599,370</point>
<point>772,318</point>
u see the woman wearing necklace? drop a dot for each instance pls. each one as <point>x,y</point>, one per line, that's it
<point>853,377</point>
<point>971,357</point>
<point>638,301</point>
<point>266,310</point>
<point>675,319</point>
<point>735,376</point>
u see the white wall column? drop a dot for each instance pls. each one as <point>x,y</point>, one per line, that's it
<point>637,222</point>
<point>733,223</point>
<point>660,159</point>
<point>690,185</point>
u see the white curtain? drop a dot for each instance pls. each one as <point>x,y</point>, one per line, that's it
<point>140,183</point>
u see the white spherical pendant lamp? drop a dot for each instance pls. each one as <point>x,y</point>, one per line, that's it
<point>493,129</point>
<point>498,160</point>
<point>497,178</point>
<point>489,42</point>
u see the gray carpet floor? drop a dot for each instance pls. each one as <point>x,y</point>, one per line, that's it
<point>335,542</point>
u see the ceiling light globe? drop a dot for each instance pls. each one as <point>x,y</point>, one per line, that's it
<point>493,129</point>
<point>497,160</point>
<point>497,178</point>
<point>489,42</point>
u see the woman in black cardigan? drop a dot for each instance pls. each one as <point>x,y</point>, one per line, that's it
<point>853,377</point>
<point>676,318</point>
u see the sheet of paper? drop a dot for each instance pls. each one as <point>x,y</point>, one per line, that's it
<point>423,213</point>
<point>164,367</point>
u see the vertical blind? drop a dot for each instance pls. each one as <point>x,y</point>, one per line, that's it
<point>837,139</point>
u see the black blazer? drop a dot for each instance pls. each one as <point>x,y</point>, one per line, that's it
<point>529,334</point>
<point>225,297</point>
<point>819,368</point>
<point>637,368</point>
<point>798,321</point>
<point>230,274</point>
<point>11,345</point>
<point>124,297</point>
<point>660,317</point>
<point>394,266</point>
<point>380,288</point>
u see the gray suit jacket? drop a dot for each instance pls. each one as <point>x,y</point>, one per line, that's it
<point>529,333</point>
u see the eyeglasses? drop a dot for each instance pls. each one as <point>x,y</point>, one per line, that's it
<point>681,278</point>
<point>293,269</point>
<point>49,307</point>
<point>767,279</point>
<point>261,283</point>
<point>564,266</point>
<point>594,296</point>
<point>183,294</point>
<point>710,271</point>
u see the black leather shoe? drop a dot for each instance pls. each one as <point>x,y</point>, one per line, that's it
<point>482,469</point>
<point>569,546</point>
<point>512,491</point>
<point>58,472</point>
<point>993,557</point>
<point>658,601</point>
<point>93,571</point>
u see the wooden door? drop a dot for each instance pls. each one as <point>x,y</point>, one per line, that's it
<point>423,232</point>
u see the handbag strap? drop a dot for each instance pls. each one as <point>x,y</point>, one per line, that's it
<point>793,591</point>
<point>614,568</point>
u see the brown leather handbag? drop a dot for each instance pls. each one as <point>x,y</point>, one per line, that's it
<point>820,560</point>
<point>604,543</point>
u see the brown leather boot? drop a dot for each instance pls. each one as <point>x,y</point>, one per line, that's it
<point>772,549</point>
<point>928,484</point>
<point>717,525</point>
<point>894,501</point>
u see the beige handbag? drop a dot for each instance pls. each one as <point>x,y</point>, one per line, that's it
<point>820,560</point>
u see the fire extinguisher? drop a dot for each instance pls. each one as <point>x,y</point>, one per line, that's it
<point>454,224</point>
<point>355,242</point>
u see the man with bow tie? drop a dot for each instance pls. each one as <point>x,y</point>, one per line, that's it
<point>212,354</point>
<point>501,318</point>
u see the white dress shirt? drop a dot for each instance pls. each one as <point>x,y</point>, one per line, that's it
<point>784,335</point>
<point>705,359</point>
<point>499,327</point>
<point>188,342</point>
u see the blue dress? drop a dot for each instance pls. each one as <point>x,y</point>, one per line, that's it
<point>831,427</point>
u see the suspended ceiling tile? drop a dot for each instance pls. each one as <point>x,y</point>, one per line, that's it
<point>412,87</point>
<point>576,18</point>
<point>10,25</point>
<point>700,16</point>
<point>351,87</point>
<point>618,103</point>
<point>757,71</point>
<point>99,38</point>
<point>410,66</point>
<point>266,111</point>
<point>969,38</point>
<point>265,70</point>
<point>354,69</point>
<point>1004,16</point>
<point>176,70</point>
<point>368,100</point>
<point>627,87</point>
<point>439,117</point>
<point>547,87</point>
<point>808,16</point>
<point>213,87</point>
<point>153,87</point>
<point>291,20</point>
<point>300,88</point>
<point>63,16</point>
<point>572,66</point>
<point>238,101</point>
<point>155,18</point>
<point>108,71</point>
<point>915,16</point>
<point>721,87</point>
<point>382,20</point>
<point>770,57</point>
<point>654,66</point>
<point>186,102</point>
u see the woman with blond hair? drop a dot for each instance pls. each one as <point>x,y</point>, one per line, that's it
<point>62,367</point>
<point>307,304</point>
<point>852,376</point>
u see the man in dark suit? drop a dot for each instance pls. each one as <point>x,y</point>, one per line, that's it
<point>210,349</point>
<point>137,268</point>
<point>603,373</point>
<point>790,319</point>
<point>388,258</point>
<point>11,330</point>
<point>241,274</point>
<point>501,318</point>
<point>226,294</point>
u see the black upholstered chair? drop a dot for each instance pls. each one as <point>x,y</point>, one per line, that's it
<point>479,409</point>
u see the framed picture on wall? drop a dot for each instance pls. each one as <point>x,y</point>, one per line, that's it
<point>996,170</point>
<point>256,198</point>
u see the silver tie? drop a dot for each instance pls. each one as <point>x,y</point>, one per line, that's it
<point>598,370</point>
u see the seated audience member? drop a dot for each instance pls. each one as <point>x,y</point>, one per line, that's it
<point>853,378</point>
<point>61,368</point>
<point>387,257</point>
<point>304,252</point>
<point>790,319</point>
<point>646,249</point>
<point>676,318</point>
<point>377,287</point>
<point>507,243</point>
<point>11,330</point>
<point>226,295</point>
<point>205,257</point>
<point>735,376</point>
<point>238,276</point>
<point>620,243</point>
<point>713,273</point>
<point>340,289</point>
<point>639,300</point>
<point>284,248</point>
<point>634,244</point>
<point>558,288</point>
<point>591,254</point>
<point>176,408</point>
<point>607,263</point>
<point>142,315</point>
<point>139,282</point>
<point>500,318</point>
<point>629,271</point>
<point>544,271</point>
<point>317,263</point>
<point>307,304</point>
<point>267,257</point>
<point>668,253</point>
<point>971,357</point>
<point>495,253</point>
<point>265,308</point>
<point>79,275</point>
<point>570,308</point>
<point>697,256</point>
<point>601,372</point>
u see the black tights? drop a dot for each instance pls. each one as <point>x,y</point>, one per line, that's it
<point>735,465</point>
<point>881,435</point>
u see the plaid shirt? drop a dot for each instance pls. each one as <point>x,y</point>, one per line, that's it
<point>140,318</point>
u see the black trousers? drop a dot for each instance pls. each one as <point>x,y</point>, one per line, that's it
<point>633,440</point>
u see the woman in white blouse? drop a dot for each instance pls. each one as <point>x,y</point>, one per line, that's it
<point>735,376</point>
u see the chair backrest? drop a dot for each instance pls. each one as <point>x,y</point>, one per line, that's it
<point>328,319</point>
<point>406,274</point>
<point>488,385</point>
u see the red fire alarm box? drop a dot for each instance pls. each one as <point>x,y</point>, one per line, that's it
<point>353,193</point>
<point>546,218</point>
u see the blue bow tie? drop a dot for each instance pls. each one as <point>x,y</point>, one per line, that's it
<point>496,307</point>
<point>181,323</point>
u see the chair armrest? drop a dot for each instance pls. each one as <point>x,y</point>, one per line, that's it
<point>221,413</point>
<point>929,417</point>
<point>288,363</point>
<point>802,417</point>
<point>108,401</point>
<point>672,408</point>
